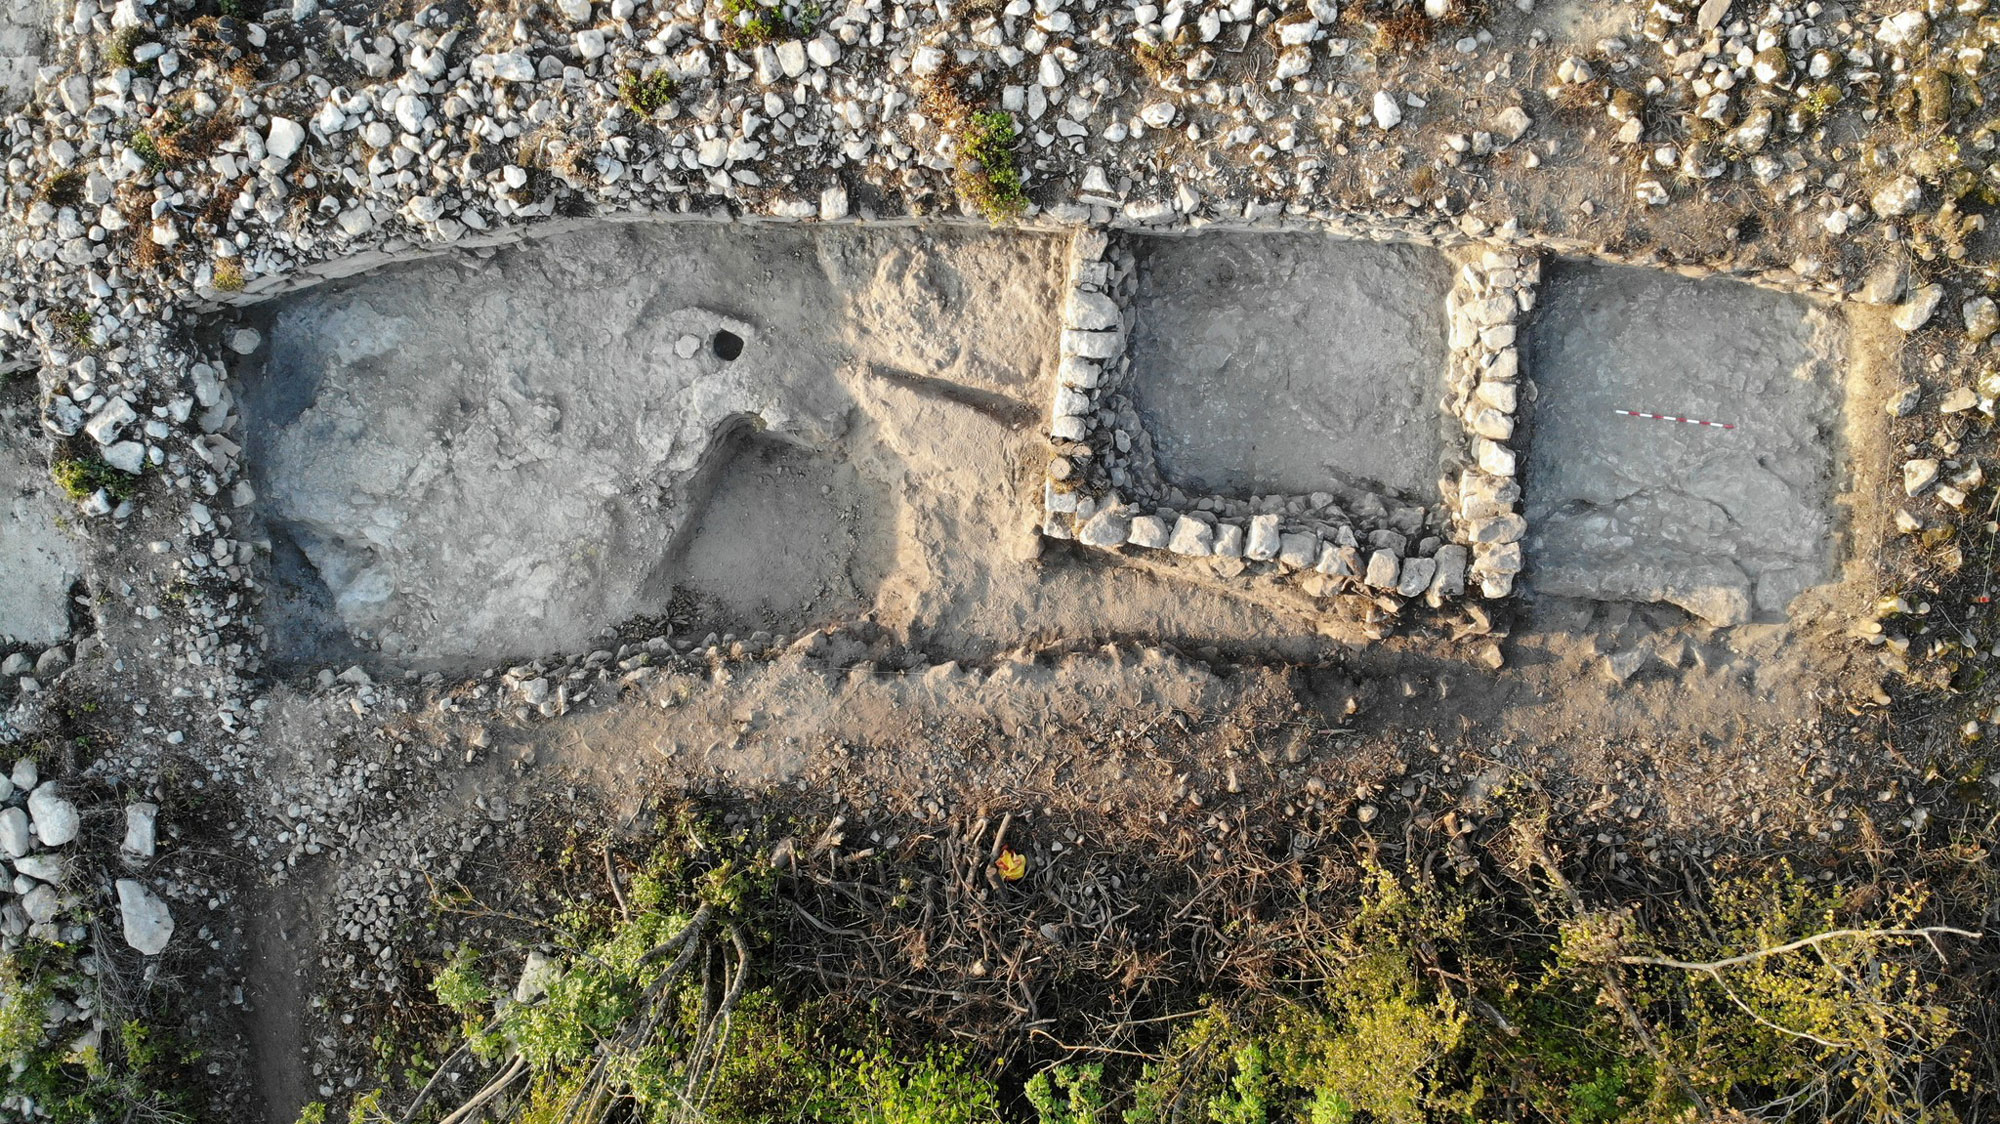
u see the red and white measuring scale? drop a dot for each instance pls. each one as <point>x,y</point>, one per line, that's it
<point>1671,418</point>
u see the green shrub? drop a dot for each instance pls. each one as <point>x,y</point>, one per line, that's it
<point>936,1088</point>
<point>751,24</point>
<point>134,1074</point>
<point>148,147</point>
<point>1851,1018</point>
<point>119,47</point>
<point>1068,1094</point>
<point>646,96</point>
<point>621,1025</point>
<point>988,174</point>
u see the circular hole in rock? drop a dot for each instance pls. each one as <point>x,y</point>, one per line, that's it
<point>728,345</point>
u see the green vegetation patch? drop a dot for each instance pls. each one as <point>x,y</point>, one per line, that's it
<point>1388,992</point>
<point>988,173</point>
<point>646,96</point>
<point>81,476</point>
<point>751,24</point>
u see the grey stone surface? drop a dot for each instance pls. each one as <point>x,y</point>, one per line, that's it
<point>149,924</point>
<point>24,34</point>
<point>1728,524</point>
<point>56,819</point>
<point>1284,362</point>
<point>141,829</point>
<point>1105,529</point>
<point>14,838</point>
<point>38,561</point>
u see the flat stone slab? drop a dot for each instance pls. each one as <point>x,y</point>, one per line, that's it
<point>1728,524</point>
<point>38,561</point>
<point>1285,362</point>
<point>24,35</point>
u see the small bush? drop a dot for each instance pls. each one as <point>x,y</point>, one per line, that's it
<point>646,96</point>
<point>751,24</point>
<point>1068,1094</point>
<point>229,276</point>
<point>133,1074</point>
<point>148,147</point>
<point>119,47</point>
<point>633,1022</point>
<point>64,189</point>
<point>988,174</point>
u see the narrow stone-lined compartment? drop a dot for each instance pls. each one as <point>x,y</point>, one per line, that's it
<point>1396,368</point>
<point>1729,524</point>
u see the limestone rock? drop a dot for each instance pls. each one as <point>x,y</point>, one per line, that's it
<point>1915,312</point>
<point>1904,28</point>
<point>1982,318</point>
<point>1384,569</point>
<point>56,819</point>
<point>284,138</point>
<point>1298,549</point>
<point>1623,665</point>
<point>1149,531</point>
<point>1105,529</point>
<point>1387,111</point>
<point>1958,401</point>
<point>141,827</point>
<point>1192,537</point>
<point>1263,543</point>
<point>1918,475</point>
<point>538,975</point>
<point>149,924</point>
<point>1449,580</point>
<point>1416,576</point>
<point>1512,123</point>
<point>41,904</point>
<point>1898,197</point>
<point>14,838</point>
<point>44,867</point>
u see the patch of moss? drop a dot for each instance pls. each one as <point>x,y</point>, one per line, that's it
<point>81,476</point>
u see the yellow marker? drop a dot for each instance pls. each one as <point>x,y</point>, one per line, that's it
<point>1011,866</point>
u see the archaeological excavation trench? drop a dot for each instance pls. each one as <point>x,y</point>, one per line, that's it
<point>506,453</point>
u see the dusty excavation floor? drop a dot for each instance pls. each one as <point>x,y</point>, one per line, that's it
<point>1729,523</point>
<point>1323,364</point>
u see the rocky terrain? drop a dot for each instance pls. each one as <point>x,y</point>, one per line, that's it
<point>438,440</point>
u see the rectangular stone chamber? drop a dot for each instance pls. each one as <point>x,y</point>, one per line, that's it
<point>1729,524</point>
<point>1291,363</point>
